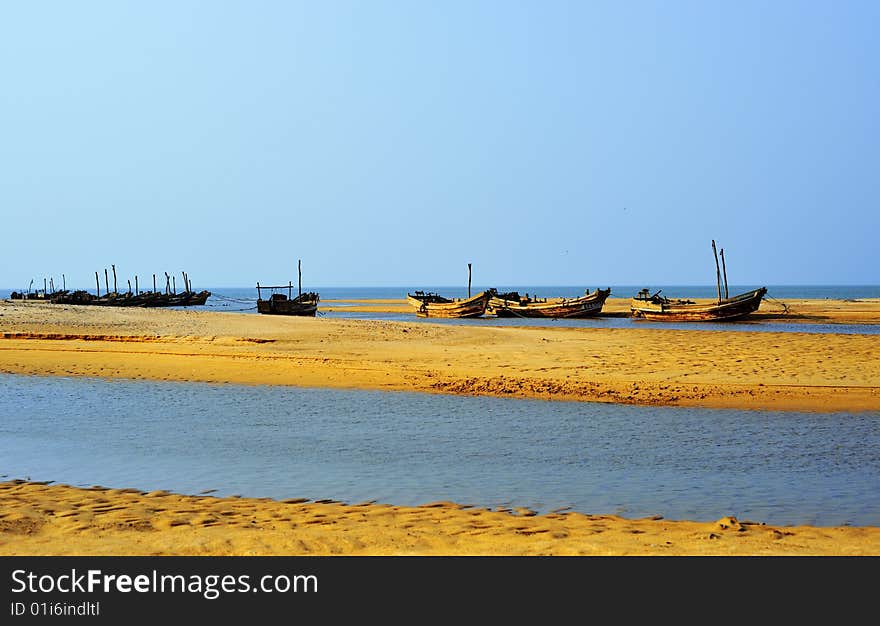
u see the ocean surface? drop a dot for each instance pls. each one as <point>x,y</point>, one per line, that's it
<point>782,292</point>
<point>780,468</point>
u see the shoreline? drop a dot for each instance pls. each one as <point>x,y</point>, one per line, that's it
<point>41,518</point>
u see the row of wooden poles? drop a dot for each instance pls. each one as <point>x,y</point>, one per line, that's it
<point>170,283</point>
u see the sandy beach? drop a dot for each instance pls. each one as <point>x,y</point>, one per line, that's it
<point>651,366</point>
<point>40,519</point>
<point>648,366</point>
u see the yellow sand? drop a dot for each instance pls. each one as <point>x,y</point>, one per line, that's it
<point>42,519</point>
<point>766,370</point>
<point>642,365</point>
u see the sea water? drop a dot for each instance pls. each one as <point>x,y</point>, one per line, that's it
<point>409,448</point>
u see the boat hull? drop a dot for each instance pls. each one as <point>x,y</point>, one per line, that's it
<point>288,307</point>
<point>471,307</point>
<point>728,310</point>
<point>585,306</point>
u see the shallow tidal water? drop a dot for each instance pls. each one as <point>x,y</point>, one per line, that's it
<point>782,468</point>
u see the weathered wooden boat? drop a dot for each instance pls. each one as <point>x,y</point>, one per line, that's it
<point>513,305</point>
<point>197,299</point>
<point>658,308</point>
<point>429,304</point>
<point>304,304</point>
<point>74,297</point>
<point>724,309</point>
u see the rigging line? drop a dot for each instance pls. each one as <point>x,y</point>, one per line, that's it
<point>785,309</point>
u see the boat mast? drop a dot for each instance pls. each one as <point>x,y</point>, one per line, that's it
<point>724,269</point>
<point>717,270</point>
<point>469,280</point>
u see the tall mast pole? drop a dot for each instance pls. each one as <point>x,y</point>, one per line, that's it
<point>717,270</point>
<point>724,269</point>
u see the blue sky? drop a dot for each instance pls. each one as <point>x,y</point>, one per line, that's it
<point>391,143</point>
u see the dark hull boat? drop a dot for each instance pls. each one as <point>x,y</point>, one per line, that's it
<point>304,304</point>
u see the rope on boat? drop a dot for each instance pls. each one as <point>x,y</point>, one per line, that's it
<point>238,300</point>
<point>785,309</point>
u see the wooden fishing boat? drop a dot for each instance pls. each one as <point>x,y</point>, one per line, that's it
<point>429,304</point>
<point>724,309</point>
<point>196,299</point>
<point>513,305</point>
<point>304,304</point>
<point>658,308</point>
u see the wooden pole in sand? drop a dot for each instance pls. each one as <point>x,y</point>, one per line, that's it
<point>724,269</point>
<point>167,284</point>
<point>136,290</point>
<point>154,283</point>
<point>173,285</point>
<point>114,279</point>
<point>97,285</point>
<point>63,283</point>
<point>299,271</point>
<point>129,287</point>
<point>717,270</point>
<point>44,286</point>
<point>106,281</point>
<point>469,280</point>
<point>289,289</point>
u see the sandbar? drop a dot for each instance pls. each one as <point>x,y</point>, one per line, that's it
<point>634,365</point>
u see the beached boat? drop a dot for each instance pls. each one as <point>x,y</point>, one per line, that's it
<point>197,299</point>
<point>658,308</point>
<point>513,305</point>
<point>429,304</point>
<point>304,304</point>
<point>655,307</point>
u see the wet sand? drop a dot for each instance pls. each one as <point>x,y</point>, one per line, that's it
<point>38,519</point>
<point>759,370</point>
